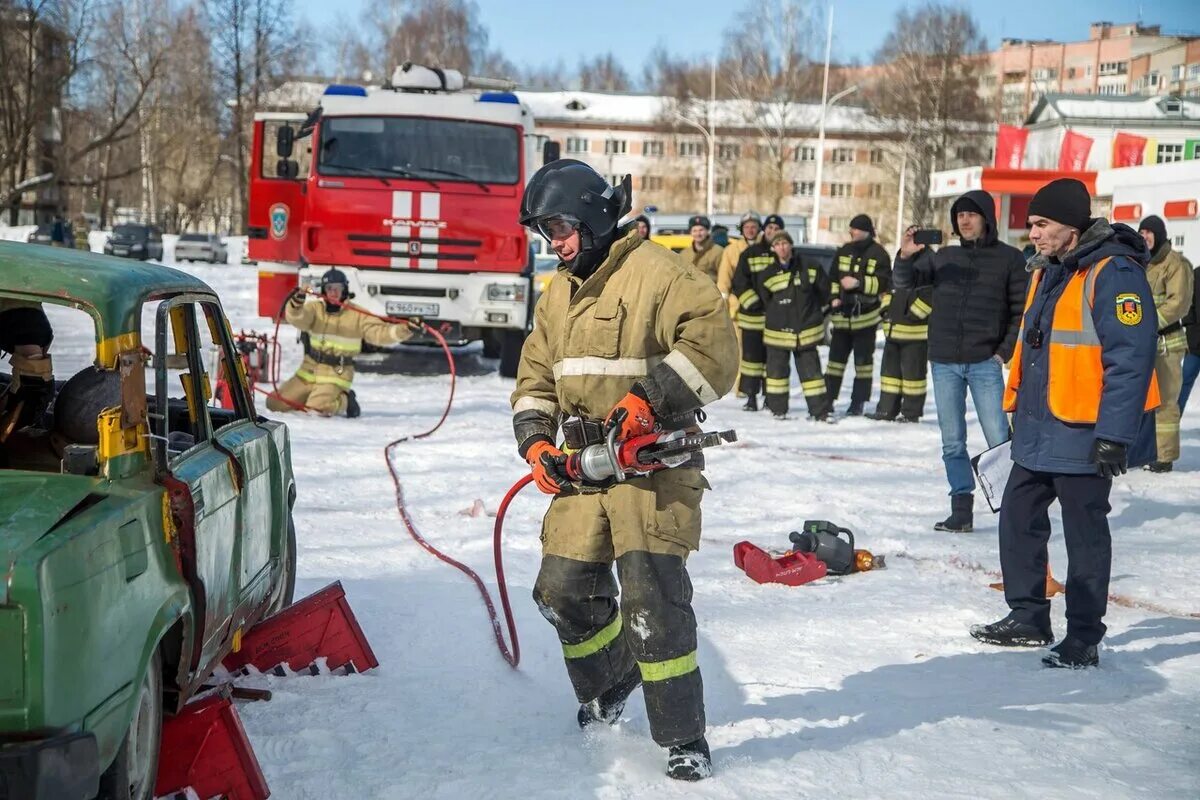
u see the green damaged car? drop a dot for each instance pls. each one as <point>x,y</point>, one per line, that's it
<point>143,530</point>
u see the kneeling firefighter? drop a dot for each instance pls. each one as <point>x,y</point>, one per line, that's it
<point>625,335</point>
<point>335,336</point>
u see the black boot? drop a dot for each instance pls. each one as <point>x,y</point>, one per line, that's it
<point>1072,654</point>
<point>961,519</point>
<point>352,408</point>
<point>881,416</point>
<point>751,403</point>
<point>690,762</point>
<point>609,705</point>
<point>1160,466</point>
<point>855,410</point>
<point>1010,633</point>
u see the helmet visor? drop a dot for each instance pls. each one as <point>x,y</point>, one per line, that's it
<point>559,226</point>
<point>340,288</point>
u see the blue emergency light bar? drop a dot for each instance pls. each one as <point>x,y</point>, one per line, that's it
<point>345,90</point>
<point>499,97</point>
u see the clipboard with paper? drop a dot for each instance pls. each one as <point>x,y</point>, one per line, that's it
<point>992,468</point>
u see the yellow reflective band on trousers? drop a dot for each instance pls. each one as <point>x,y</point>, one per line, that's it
<point>814,387</point>
<point>753,369</point>
<point>779,339</point>
<point>835,368</point>
<point>603,638</point>
<point>864,370</point>
<point>892,385</point>
<point>778,385</point>
<point>665,670</point>
<point>913,387</point>
<point>905,333</point>
<point>868,320</point>
<point>305,375</point>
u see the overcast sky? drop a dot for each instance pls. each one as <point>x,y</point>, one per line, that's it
<point>541,33</point>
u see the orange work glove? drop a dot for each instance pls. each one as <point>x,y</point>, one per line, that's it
<point>632,414</point>
<point>549,465</point>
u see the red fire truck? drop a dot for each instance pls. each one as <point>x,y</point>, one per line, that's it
<point>413,190</point>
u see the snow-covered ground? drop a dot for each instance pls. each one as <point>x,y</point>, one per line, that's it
<point>866,686</point>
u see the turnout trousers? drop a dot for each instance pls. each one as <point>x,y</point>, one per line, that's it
<point>1168,366</point>
<point>812,383</point>
<point>752,367</point>
<point>862,343</point>
<point>902,378</point>
<point>1025,531</point>
<point>321,387</point>
<point>647,526</point>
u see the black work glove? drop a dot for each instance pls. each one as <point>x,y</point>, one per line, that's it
<point>296,297</point>
<point>1110,458</point>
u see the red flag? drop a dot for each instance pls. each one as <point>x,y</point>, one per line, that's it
<point>1010,146</point>
<point>1128,149</point>
<point>1074,154</point>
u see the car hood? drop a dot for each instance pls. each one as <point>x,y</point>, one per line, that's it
<point>32,504</point>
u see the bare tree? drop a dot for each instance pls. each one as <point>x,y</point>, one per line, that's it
<point>603,74</point>
<point>440,33</point>
<point>928,86</point>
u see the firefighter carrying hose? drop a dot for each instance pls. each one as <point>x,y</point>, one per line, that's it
<point>624,335</point>
<point>335,336</point>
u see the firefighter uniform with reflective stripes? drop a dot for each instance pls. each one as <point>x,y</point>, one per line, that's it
<point>642,316</point>
<point>335,337</point>
<point>751,315</point>
<point>1170,278</point>
<point>798,297</point>
<point>857,317</point>
<point>905,314</point>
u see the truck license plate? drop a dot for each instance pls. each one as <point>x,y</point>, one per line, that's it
<point>396,308</point>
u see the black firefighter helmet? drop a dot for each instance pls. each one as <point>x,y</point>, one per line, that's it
<point>335,275</point>
<point>571,190</point>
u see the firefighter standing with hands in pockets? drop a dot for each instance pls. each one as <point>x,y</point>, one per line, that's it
<point>625,335</point>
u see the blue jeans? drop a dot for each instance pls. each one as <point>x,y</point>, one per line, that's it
<point>985,379</point>
<point>1191,368</point>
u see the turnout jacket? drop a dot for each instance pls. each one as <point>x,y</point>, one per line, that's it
<point>642,316</point>
<point>978,293</point>
<point>797,298</point>
<point>1191,322</point>
<point>747,285</point>
<point>707,259</point>
<point>335,338</point>
<point>1171,283</point>
<point>729,261</point>
<point>906,310</point>
<point>867,261</point>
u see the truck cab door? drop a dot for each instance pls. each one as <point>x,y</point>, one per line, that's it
<point>277,189</point>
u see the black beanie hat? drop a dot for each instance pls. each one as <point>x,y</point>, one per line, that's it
<point>863,223</point>
<point>773,219</point>
<point>1155,225</point>
<point>1065,200</point>
<point>700,220</point>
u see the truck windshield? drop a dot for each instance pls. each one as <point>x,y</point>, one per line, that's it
<point>438,149</point>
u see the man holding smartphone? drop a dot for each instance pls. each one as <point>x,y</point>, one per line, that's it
<point>978,296</point>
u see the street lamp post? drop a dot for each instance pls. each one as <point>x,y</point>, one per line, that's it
<point>816,221</point>
<point>712,154</point>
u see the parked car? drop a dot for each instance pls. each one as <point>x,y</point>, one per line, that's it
<point>58,233</point>
<point>141,534</point>
<point>201,247</point>
<point>135,241</point>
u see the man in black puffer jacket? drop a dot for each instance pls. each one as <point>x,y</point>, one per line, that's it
<point>978,298</point>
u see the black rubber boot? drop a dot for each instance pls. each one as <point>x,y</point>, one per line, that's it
<point>352,408</point>
<point>855,410</point>
<point>1072,654</point>
<point>1160,466</point>
<point>690,762</point>
<point>961,519</point>
<point>881,416</point>
<point>1010,633</point>
<point>751,403</point>
<point>608,706</point>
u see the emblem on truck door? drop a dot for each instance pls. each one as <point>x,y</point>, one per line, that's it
<point>279,221</point>
<point>414,247</point>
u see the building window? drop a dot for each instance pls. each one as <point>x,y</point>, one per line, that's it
<point>803,188</point>
<point>876,156</point>
<point>652,147</point>
<point>614,180</point>
<point>841,190</point>
<point>615,147</point>
<point>966,152</point>
<point>576,144</point>
<point>806,153</point>
<point>842,155</point>
<point>652,183</point>
<point>1194,72</point>
<point>690,147</point>
<point>728,152</point>
<point>693,184</point>
<point>1177,72</point>
<point>1177,243</point>
<point>1045,73</point>
<point>1170,152</point>
<point>1087,71</point>
<point>723,186</point>
<point>875,191</point>
<point>839,223</point>
<point>1113,88</point>
<point>1114,68</point>
<point>1070,73</point>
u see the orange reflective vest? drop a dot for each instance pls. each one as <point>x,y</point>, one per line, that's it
<point>1076,371</point>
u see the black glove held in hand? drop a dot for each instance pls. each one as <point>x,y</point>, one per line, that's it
<point>1110,458</point>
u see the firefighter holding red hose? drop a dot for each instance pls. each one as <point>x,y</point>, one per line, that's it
<point>625,335</point>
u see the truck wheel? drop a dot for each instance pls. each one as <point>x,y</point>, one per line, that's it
<point>510,352</point>
<point>287,580</point>
<point>134,771</point>
<point>492,344</point>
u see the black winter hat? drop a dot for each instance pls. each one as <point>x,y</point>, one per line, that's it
<point>774,219</point>
<point>1065,200</point>
<point>700,220</point>
<point>863,223</point>
<point>1155,225</point>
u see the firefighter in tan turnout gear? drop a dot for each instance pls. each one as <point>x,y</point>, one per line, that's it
<point>335,336</point>
<point>626,335</point>
<point>703,254</point>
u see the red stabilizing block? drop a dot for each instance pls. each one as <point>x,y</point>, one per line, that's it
<point>321,624</point>
<point>791,568</point>
<point>204,747</point>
